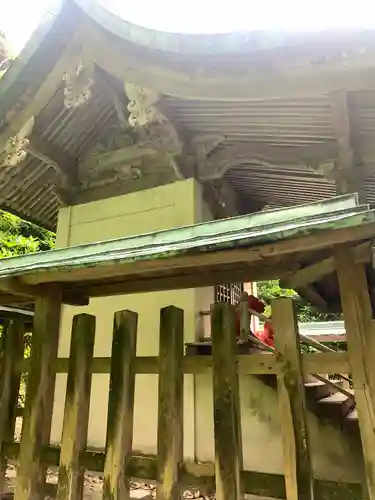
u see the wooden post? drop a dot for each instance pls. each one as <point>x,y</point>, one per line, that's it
<point>12,351</point>
<point>170,410</point>
<point>36,427</point>
<point>245,317</point>
<point>77,405</point>
<point>228,446</point>
<point>356,306</point>
<point>291,390</point>
<point>120,407</point>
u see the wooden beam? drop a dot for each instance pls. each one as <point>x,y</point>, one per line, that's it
<point>221,161</point>
<point>13,290</point>
<point>39,397</point>
<point>108,160</point>
<point>348,173</point>
<point>310,274</point>
<point>227,427</point>
<point>291,390</point>
<point>77,406</point>
<point>245,317</point>
<point>189,279</point>
<point>15,287</point>
<point>120,406</point>
<point>341,122</point>
<point>358,314</point>
<point>311,294</point>
<point>170,408</point>
<point>12,352</point>
<point>247,364</point>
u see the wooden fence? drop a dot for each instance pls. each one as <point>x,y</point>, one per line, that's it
<point>118,462</point>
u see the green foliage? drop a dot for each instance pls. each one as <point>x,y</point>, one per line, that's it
<point>18,237</point>
<point>268,290</point>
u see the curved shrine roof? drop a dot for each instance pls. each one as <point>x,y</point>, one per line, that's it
<point>265,95</point>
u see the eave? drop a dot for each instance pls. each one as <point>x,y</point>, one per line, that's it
<point>270,98</point>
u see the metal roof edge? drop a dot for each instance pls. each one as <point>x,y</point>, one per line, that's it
<point>222,43</point>
<point>174,242</point>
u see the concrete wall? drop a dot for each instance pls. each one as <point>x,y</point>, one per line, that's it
<point>334,456</point>
<point>155,209</point>
<point>160,208</point>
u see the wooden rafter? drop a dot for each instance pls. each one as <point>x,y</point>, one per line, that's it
<point>118,100</point>
<point>41,97</point>
<point>52,155</point>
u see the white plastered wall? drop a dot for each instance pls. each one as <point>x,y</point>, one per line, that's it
<point>163,207</point>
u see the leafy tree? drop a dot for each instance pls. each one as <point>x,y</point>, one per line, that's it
<point>268,290</point>
<point>18,237</point>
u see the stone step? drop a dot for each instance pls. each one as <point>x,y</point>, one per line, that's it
<point>336,405</point>
<point>317,389</point>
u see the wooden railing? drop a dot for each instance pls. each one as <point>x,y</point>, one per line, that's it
<point>245,314</point>
<point>118,462</point>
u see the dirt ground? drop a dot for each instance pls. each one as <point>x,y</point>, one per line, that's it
<point>94,483</point>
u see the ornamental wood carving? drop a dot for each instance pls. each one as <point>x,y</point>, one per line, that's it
<point>153,128</point>
<point>107,166</point>
<point>78,83</point>
<point>16,147</point>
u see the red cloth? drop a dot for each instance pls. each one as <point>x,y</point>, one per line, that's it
<point>256,305</point>
<point>266,335</point>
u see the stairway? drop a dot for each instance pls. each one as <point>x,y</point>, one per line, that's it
<point>322,398</point>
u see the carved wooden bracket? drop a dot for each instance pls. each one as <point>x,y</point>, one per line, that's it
<point>107,166</point>
<point>16,147</point>
<point>221,198</point>
<point>78,83</point>
<point>154,129</point>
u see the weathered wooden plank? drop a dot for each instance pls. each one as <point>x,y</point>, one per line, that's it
<point>228,450</point>
<point>39,397</point>
<point>12,351</point>
<point>314,272</point>
<point>357,310</point>
<point>120,406</point>
<point>297,460</point>
<point>77,405</point>
<point>247,364</point>
<point>170,409</point>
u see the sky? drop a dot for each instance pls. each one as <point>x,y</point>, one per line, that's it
<point>19,18</point>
